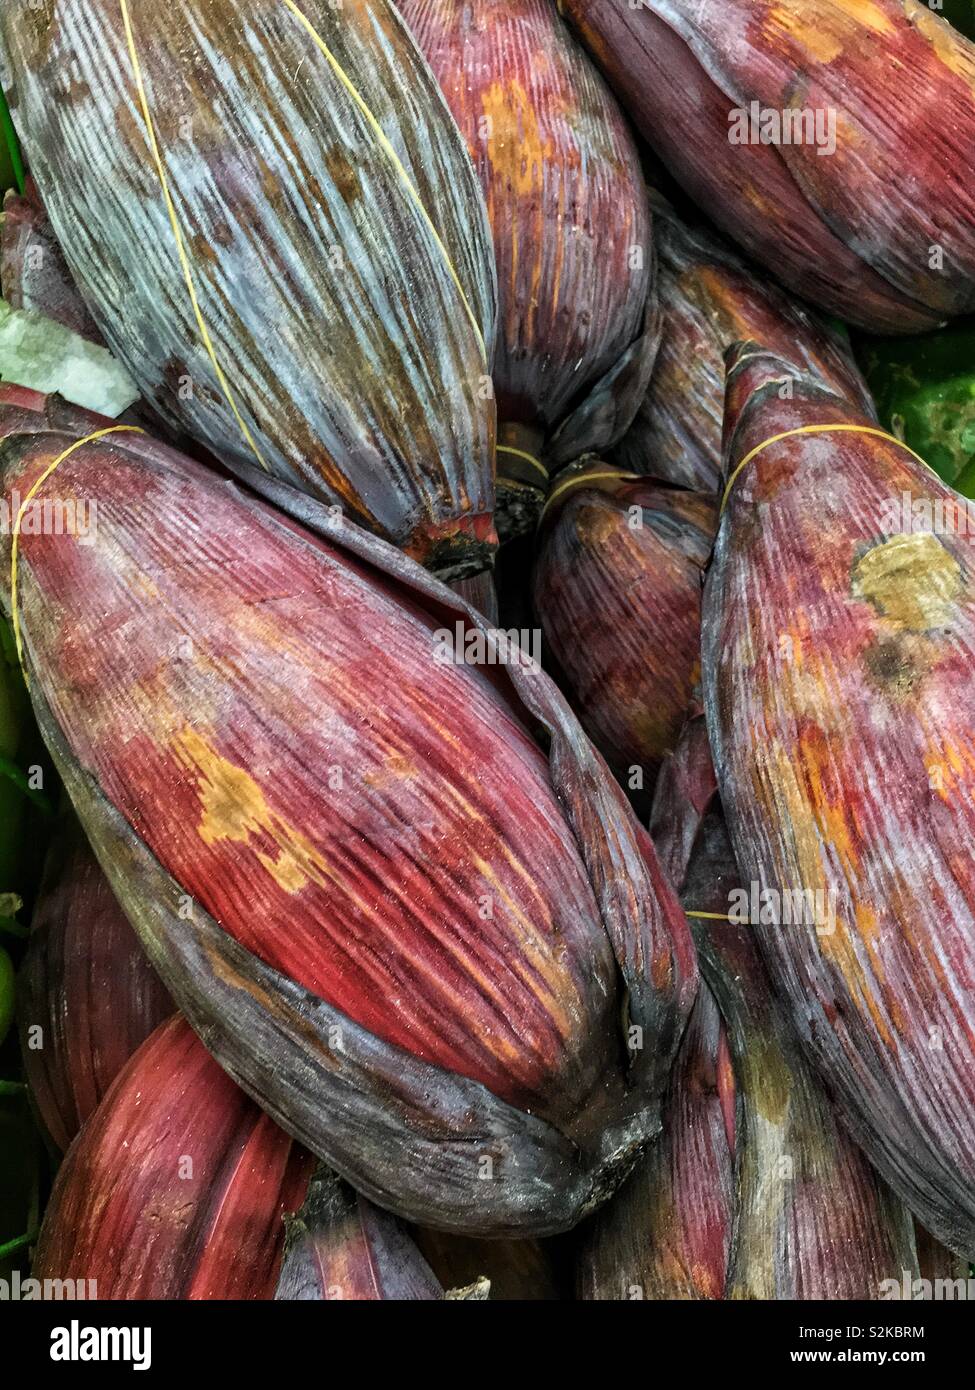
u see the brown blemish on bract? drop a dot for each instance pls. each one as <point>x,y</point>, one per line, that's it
<point>911,580</point>
<point>397,767</point>
<point>820,43</point>
<point>890,666</point>
<point>343,175</point>
<point>829,807</point>
<point>202,243</point>
<point>516,150</point>
<point>44,27</point>
<point>595,525</point>
<point>133,138</point>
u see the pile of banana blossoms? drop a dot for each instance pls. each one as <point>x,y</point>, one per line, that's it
<point>309,805</point>
<point>802,1214</point>
<point>831,140</point>
<point>86,993</point>
<point>617,591</point>
<point>710,299</point>
<point>275,223</point>
<point>838,630</point>
<point>565,197</point>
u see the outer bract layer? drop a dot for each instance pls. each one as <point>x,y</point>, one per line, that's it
<point>392,918</point>
<point>568,209</point>
<point>831,139</point>
<point>711,298</point>
<point>839,633</point>
<point>617,591</point>
<point>177,1187</point>
<point>275,222</point>
<point>86,993</point>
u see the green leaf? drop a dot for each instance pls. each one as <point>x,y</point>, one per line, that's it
<point>18,1243</point>
<point>11,164</point>
<point>19,778</point>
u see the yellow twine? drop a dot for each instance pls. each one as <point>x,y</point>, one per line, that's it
<point>177,233</point>
<point>816,429</point>
<point>529,458</point>
<point>15,543</point>
<point>386,145</point>
<point>581,479</point>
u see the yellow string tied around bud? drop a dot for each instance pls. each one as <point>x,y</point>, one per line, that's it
<point>15,540</point>
<point>817,429</point>
<point>528,458</point>
<point>582,479</point>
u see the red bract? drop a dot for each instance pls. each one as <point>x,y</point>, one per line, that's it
<point>666,1234</point>
<point>177,1187</point>
<point>395,921</point>
<point>86,993</point>
<point>341,1247</point>
<point>839,625</point>
<point>617,590</point>
<point>811,1219</point>
<point>871,212</point>
<point>567,205</point>
<point>709,299</point>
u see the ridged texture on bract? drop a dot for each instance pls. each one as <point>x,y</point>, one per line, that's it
<point>333,229</point>
<point>565,196</point>
<point>937,1263</point>
<point>341,1247</point>
<point>812,1220</point>
<point>839,674</point>
<point>421,920</point>
<point>882,230</point>
<point>710,299</point>
<point>87,996</point>
<point>617,591</point>
<point>177,1187</point>
<point>665,1235</point>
